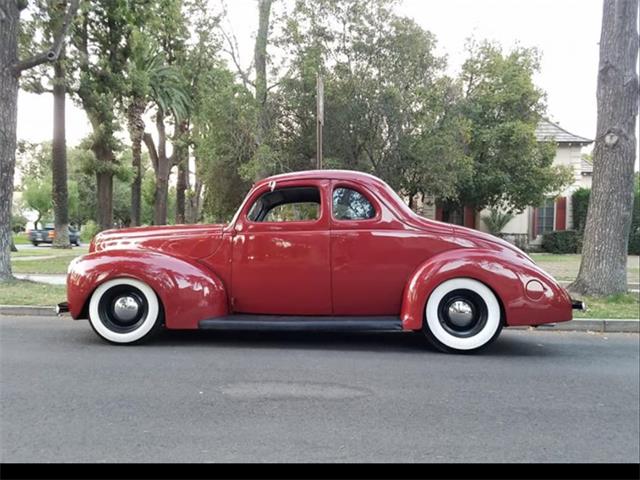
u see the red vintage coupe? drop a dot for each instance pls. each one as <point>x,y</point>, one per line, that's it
<point>315,250</point>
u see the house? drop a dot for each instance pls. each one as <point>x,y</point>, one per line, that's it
<point>555,214</point>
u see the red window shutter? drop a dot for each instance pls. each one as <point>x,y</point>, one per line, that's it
<point>469,217</point>
<point>561,213</point>
<point>439,214</point>
<point>534,223</point>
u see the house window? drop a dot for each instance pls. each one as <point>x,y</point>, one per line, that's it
<point>453,215</point>
<point>545,217</point>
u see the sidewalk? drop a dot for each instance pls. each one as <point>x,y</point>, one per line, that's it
<point>49,278</point>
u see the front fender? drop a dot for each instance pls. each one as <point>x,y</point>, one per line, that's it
<point>188,292</point>
<point>508,277</point>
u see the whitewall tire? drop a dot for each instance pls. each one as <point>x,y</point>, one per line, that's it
<point>462,315</point>
<point>124,310</point>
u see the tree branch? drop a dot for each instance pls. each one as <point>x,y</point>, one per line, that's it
<point>233,48</point>
<point>151,147</point>
<point>54,52</point>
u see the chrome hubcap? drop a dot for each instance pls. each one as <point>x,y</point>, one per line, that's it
<point>126,308</point>
<point>460,313</point>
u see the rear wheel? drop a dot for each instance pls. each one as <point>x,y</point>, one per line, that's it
<point>462,315</point>
<point>35,244</point>
<point>124,310</point>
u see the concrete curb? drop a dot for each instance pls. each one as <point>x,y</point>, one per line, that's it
<point>580,325</point>
<point>610,325</point>
<point>28,310</point>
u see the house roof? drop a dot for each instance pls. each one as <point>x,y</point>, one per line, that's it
<point>547,130</point>
<point>586,166</point>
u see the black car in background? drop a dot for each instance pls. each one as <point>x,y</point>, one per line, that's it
<point>48,233</point>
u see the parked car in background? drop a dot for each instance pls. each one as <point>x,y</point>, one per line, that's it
<point>316,250</point>
<point>48,233</point>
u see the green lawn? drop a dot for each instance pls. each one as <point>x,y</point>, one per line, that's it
<point>562,267</point>
<point>49,252</point>
<point>615,306</point>
<point>56,261</point>
<point>565,267</point>
<point>24,292</point>
<point>21,238</point>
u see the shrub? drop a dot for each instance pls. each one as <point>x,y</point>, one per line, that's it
<point>579,205</point>
<point>634,233</point>
<point>560,241</point>
<point>496,221</point>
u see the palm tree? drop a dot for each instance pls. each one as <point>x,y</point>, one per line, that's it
<point>152,82</point>
<point>496,221</point>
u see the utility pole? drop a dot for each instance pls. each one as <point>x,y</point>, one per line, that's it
<point>319,119</point>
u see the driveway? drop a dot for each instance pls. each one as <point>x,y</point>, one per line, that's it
<point>227,396</point>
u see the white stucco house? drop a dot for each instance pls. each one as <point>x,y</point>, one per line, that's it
<point>554,214</point>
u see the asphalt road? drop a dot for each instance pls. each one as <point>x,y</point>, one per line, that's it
<point>241,396</point>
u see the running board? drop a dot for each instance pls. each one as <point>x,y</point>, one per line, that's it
<point>295,323</point>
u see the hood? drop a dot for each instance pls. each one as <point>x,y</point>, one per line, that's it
<point>193,241</point>
<point>475,238</point>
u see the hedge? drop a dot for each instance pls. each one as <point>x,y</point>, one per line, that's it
<point>634,234</point>
<point>561,241</point>
<point>579,204</point>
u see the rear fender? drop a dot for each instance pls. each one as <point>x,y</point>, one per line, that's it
<point>507,275</point>
<point>188,291</point>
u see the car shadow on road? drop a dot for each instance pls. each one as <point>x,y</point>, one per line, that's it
<point>397,342</point>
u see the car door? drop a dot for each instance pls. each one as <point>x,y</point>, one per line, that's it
<point>372,253</point>
<point>280,259</point>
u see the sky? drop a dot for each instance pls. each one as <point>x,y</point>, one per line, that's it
<point>566,32</point>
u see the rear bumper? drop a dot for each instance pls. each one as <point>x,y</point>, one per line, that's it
<point>578,305</point>
<point>62,307</point>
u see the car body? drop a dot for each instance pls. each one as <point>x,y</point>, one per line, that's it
<point>321,249</point>
<point>48,233</point>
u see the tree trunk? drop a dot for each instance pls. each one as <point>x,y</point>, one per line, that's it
<point>603,270</point>
<point>136,131</point>
<point>181,189</point>
<point>104,182</point>
<point>260,59</point>
<point>59,161</point>
<point>181,154</point>
<point>9,17</point>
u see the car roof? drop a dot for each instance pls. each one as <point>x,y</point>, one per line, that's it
<point>322,175</point>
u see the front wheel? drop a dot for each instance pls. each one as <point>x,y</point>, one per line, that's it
<point>124,310</point>
<point>462,315</point>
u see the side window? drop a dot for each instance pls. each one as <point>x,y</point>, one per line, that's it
<point>349,204</point>
<point>295,204</point>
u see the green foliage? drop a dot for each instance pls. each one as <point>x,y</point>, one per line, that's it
<point>389,108</point>
<point>560,241</point>
<point>496,221</point>
<point>579,206</point>
<point>510,167</point>
<point>88,231</point>
<point>37,195</point>
<point>18,223</point>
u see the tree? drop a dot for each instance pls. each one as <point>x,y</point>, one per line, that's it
<point>98,62</point>
<point>389,108</point>
<point>152,80</point>
<point>604,251</point>
<point>37,196</point>
<point>10,69</point>
<point>46,18</point>
<point>511,169</point>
